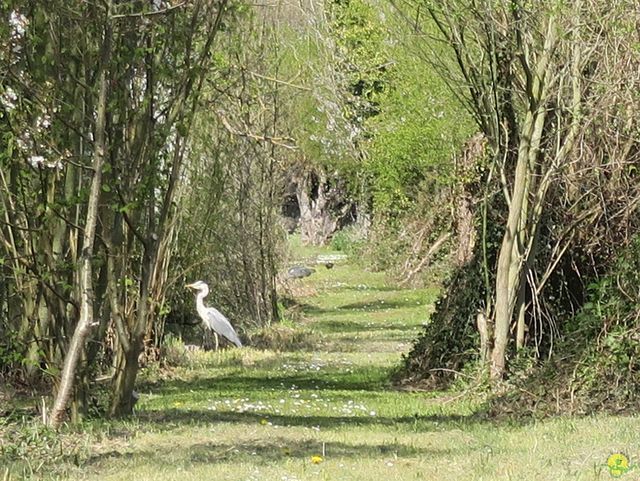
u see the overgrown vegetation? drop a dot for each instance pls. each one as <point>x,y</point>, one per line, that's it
<point>490,147</point>
<point>569,180</point>
<point>599,369</point>
<point>120,182</point>
<point>261,414</point>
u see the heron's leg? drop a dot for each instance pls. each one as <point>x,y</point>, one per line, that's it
<point>217,341</point>
<point>207,339</point>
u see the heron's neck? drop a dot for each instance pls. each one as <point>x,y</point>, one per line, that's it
<point>200,299</point>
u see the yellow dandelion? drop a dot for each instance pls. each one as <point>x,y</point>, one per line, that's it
<point>316,459</point>
<point>264,422</point>
<point>177,404</point>
<point>618,464</point>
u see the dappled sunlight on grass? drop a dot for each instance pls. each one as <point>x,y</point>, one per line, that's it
<point>328,411</point>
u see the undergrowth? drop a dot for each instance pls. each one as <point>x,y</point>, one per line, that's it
<point>32,450</point>
<point>279,337</point>
<point>596,364</point>
<point>448,344</point>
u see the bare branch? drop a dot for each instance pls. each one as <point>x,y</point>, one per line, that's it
<point>149,14</point>
<point>286,142</point>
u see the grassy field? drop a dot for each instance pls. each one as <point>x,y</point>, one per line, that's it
<point>326,413</point>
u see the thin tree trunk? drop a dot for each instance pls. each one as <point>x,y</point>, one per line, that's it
<point>520,323</point>
<point>124,382</point>
<point>83,328</point>
<point>512,252</point>
<point>507,277</point>
<point>485,330</point>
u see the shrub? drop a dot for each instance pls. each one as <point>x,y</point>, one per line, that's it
<point>174,353</point>
<point>347,240</point>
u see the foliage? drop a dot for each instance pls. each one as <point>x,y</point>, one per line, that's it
<point>10,353</point>
<point>397,243</point>
<point>144,66</point>
<point>174,352</point>
<point>411,149</point>
<point>362,53</point>
<point>596,365</point>
<point>419,129</point>
<point>317,49</point>
<point>348,240</point>
<point>31,450</point>
<point>230,236</point>
<point>282,337</point>
<point>448,344</point>
<point>566,226</point>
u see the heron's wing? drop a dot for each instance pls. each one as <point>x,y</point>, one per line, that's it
<point>218,322</point>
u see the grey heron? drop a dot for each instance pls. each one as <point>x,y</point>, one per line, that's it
<point>212,318</point>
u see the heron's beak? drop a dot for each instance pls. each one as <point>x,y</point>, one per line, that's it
<point>190,286</point>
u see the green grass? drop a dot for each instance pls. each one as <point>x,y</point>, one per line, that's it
<point>247,414</point>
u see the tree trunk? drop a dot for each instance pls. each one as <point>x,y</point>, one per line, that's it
<point>83,328</point>
<point>465,230</point>
<point>130,346</point>
<point>512,251</point>
<point>521,318</point>
<point>486,334</point>
<point>322,207</point>
<point>465,227</point>
<point>126,364</point>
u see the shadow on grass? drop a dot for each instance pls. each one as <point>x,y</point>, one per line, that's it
<point>359,379</point>
<point>268,451</point>
<point>370,288</point>
<point>312,309</point>
<point>170,419</point>
<point>376,305</point>
<point>357,309</point>
<point>364,326</point>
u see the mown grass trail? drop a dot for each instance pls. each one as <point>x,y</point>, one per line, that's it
<point>265,415</point>
<point>252,414</point>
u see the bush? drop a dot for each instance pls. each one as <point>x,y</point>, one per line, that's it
<point>597,362</point>
<point>348,240</point>
<point>32,450</point>
<point>450,341</point>
<point>174,353</point>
